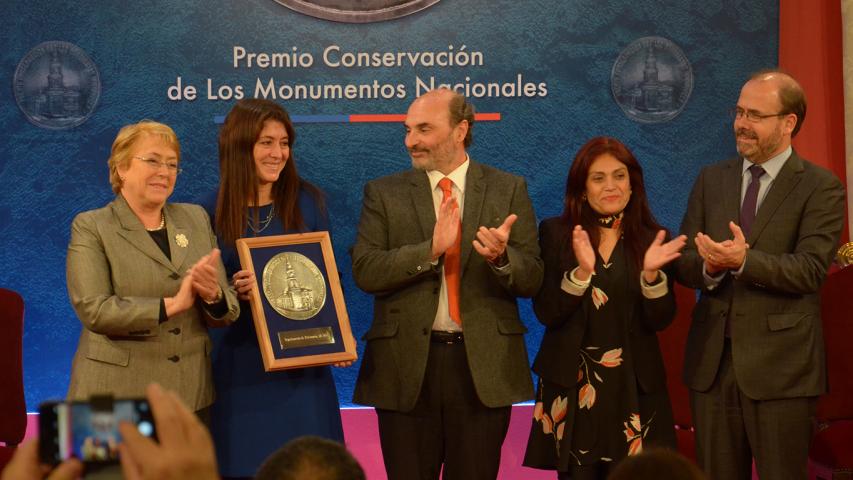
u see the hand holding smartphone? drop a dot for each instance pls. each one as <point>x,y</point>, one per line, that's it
<point>88,431</point>
<point>92,431</point>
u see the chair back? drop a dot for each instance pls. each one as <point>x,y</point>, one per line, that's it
<point>13,409</point>
<point>672,341</point>
<point>836,307</point>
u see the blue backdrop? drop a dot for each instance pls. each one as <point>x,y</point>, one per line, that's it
<point>141,47</point>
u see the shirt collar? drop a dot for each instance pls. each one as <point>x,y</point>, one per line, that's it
<point>772,166</point>
<point>457,176</point>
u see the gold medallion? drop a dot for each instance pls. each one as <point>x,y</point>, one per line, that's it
<point>294,286</point>
<point>181,240</point>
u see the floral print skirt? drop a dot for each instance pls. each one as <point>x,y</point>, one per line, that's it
<point>592,427</point>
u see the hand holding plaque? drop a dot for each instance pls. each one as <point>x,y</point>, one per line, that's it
<point>298,307</point>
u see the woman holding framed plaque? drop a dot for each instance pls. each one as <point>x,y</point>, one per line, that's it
<point>260,194</point>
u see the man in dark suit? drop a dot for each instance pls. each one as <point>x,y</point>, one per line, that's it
<point>761,229</point>
<point>445,356</point>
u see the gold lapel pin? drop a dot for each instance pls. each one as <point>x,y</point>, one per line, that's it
<point>181,240</point>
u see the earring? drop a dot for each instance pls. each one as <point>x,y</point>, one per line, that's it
<point>583,197</point>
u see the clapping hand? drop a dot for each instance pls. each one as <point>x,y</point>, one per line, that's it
<point>491,242</point>
<point>584,253</point>
<point>446,227</point>
<point>728,254</point>
<point>659,254</point>
<point>183,300</point>
<point>205,276</point>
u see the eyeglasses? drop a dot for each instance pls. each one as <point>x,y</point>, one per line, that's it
<point>752,115</point>
<point>155,165</point>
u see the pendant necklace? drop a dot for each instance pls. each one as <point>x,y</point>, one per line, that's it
<point>263,224</point>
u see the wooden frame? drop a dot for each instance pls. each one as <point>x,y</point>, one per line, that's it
<point>324,336</point>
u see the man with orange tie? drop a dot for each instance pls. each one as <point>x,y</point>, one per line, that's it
<point>445,248</point>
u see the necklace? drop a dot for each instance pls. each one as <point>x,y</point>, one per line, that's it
<point>263,224</point>
<point>162,223</point>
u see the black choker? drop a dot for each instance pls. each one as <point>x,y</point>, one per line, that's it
<point>611,221</point>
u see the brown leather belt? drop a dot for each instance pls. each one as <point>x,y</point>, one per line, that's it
<point>449,338</point>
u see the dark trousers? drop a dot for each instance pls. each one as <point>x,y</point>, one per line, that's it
<point>732,429</point>
<point>448,425</point>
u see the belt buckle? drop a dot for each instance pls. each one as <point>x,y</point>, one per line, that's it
<point>446,337</point>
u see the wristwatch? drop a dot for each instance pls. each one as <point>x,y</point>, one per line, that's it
<point>216,299</point>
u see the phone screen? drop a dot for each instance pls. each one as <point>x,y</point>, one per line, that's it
<point>77,430</point>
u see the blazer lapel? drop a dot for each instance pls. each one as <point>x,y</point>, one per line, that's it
<point>783,184</point>
<point>730,198</point>
<point>135,234</point>
<point>475,195</point>
<point>422,201</point>
<point>179,238</point>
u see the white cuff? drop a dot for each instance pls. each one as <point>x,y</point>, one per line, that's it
<point>503,269</point>
<point>657,290</point>
<point>572,285</point>
<point>711,282</point>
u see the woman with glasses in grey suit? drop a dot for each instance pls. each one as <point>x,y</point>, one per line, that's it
<point>145,277</point>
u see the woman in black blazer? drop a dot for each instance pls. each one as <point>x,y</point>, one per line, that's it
<point>602,386</point>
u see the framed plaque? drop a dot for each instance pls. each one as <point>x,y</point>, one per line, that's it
<point>297,305</point>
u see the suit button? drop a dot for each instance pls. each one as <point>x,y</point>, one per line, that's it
<point>174,358</point>
<point>175,331</point>
<point>425,331</point>
<point>435,291</point>
<point>174,276</point>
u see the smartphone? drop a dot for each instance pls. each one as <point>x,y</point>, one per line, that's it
<point>89,430</point>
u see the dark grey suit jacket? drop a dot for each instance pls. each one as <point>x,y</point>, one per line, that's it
<point>391,260</point>
<point>116,277</point>
<point>774,305</point>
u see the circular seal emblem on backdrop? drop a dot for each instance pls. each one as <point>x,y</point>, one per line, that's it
<point>357,11</point>
<point>57,85</point>
<point>294,286</point>
<point>651,80</point>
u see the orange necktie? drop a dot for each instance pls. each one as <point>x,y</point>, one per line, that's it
<point>451,261</point>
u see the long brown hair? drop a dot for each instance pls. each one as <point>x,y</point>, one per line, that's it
<point>639,226</point>
<point>238,179</point>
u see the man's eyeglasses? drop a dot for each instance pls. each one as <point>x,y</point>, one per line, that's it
<point>752,115</point>
<point>155,165</point>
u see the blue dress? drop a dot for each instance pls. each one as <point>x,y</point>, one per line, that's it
<point>256,412</point>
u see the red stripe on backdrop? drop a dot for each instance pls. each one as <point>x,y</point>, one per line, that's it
<point>810,48</point>
<point>360,118</point>
<point>395,117</point>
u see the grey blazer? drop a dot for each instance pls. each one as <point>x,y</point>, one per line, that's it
<point>391,260</point>
<point>774,305</point>
<point>116,278</point>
